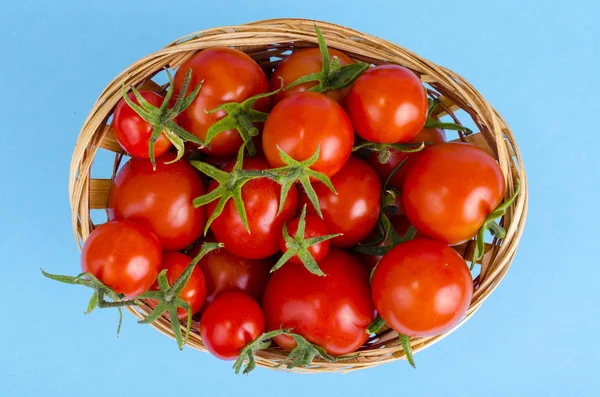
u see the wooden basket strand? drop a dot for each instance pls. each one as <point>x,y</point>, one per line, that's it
<point>267,42</point>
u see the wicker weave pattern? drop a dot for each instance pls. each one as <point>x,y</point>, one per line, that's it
<point>265,41</point>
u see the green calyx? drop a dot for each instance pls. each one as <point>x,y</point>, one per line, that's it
<point>494,228</point>
<point>384,149</point>
<point>162,119</point>
<point>301,356</point>
<point>332,76</point>
<point>432,122</point>
<point>375,326</point>
<point>405,341</point>
<point>298,245</point>
<point>231,183</point>
<point>169,300</point>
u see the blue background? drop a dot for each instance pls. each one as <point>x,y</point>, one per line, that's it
<point>536,63</point>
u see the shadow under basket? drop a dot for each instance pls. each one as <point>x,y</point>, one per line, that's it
<point>267,42</point>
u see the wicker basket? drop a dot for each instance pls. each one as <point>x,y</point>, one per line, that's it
<point>265,41</point>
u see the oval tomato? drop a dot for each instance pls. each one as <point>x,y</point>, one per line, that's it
<point>387,104</point>
<point>301,63</point>
<point>315,227</point>
<point>332,311</point>
<point>304,122</point>
<point>354,210</point>
<point>261,200</point>
<point>229,323</point>
<point>133,133</point>
<point>160,199</point>
<point>229,75</point>
<point>450,189</point>
<point>123,255</point>
<point>422,288</point>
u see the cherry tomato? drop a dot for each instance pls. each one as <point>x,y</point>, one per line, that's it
<point>304,122</point>
<point>123,255</point>
<point>227,272</point>
<point>387,104</point>
<point>229,323</point>
<point>229,75</point>
<point>261,200</point>
<point>133,133</point>
<point>422,288</point>
<point>450,189</point>
<point>301,63</point>
<point>194,292</point>
<point>160,199</point>
<point>332,311</point>
<point>354,210</point>
<point>315,227</point>
<point>431,136</point>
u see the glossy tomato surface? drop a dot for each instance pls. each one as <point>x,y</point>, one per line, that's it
<point>332,311</point>
<point>229,323</point>
<point>354,210</point>
<point>450,189</point>
<point>229,75</point>
<point>160,199</point>
<point>304,122</point>
<point>422,288</point>
<point>123,255</point>
<point>387,104</point>
<point>261,200</point>
<point>314,227</point>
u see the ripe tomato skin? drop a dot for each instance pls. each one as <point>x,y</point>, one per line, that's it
<point>301,123</point>
<point>227,272</point>
<point>123,255</point>
<point>194,292</point>
<point>387,104</point>
<point>229,76</point>
<point>261,200</point>
<point>301,63</point>
<point>160,199</point>
<point>332,311</point>
<point>355,209</point>
<point>133,133</point>
<point>431,136</point>
<point>422,288</point>
<point>229,323</point>
<point>450,189</point>
<point>315,227</point>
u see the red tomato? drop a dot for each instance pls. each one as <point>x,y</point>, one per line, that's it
<point>301,63</point>
<point>160,199</point>
<point>387,104</point>
<point>422,288</point>
<point>194,292</point>
<point>301,123</point>
<point>332,311</point>
<point>229,75</point>
<point>261,200</point>
<point>227,272</point>
<point>229,323</point>
<point>315,227</point>
<point>124,256</point>
<point>355,209</point>
<point>133,133</point>
<point>430,136</point>
<point>450,189</point>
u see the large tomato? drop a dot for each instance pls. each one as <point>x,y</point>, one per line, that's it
<point>304,122</point>
<point>354,210</point>
<point>123,255</point>
<point>229,75</point>
<point>261,200</point>
<point>133,133</point>
<point>229,323</point>
<point>160,199</point>
<point>450,189</point>
<point>301,63</point>
<point>387,104</point>
<point>422,288</point>
<point>332,311</point>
